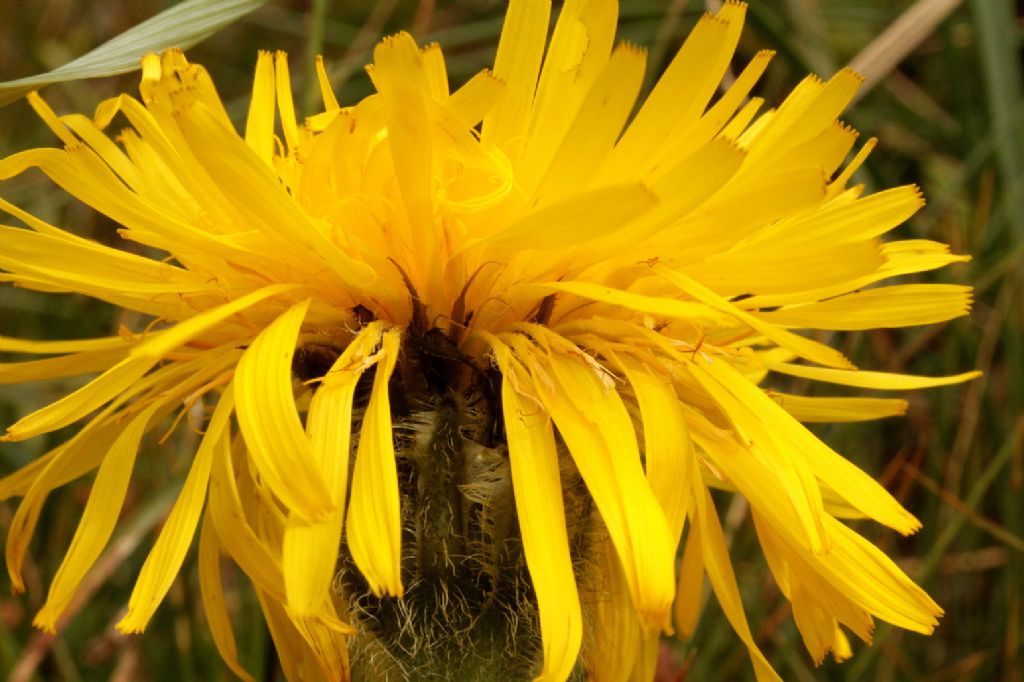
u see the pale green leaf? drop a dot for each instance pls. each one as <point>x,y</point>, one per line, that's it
<point>181,26</point>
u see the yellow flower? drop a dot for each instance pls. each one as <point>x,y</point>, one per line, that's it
<point>459,341</point>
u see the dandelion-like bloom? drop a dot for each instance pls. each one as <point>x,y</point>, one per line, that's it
<point>474,359</point>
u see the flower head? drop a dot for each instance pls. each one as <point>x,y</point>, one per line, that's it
<point>481,346</point>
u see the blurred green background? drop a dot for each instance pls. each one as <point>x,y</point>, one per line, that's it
<point>943,96</point>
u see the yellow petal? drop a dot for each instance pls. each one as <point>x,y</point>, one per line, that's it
<point>106,148</point>
<point>741,403</point>
<point>867,580</point>
<point>84,451</point>
<point>582,218</point>
<point>684,142</point>
<point>214,604</point>
<point>603,444</point>
<point>848,480</point>
<point>164,560</point>
<point>285,102</point>
<point>764,271</point>
<point>84,175</point>
<point>234,533</point>
<point>873,580</point>
<point>327,644</point>
<point>17,484</point>
<point>435,72</point>
<point>810,108</point>
<point>98,519</point>
<point>689,598</point>
<point>843,222</point>
<point>76,405</point>
<point>44,112</point>
<point>736,129</point>
<point>401,82</point>
<point>162,146</point>
<point>668,452</point>
<point>374,518</point>
<point>810,410</point>
<point>156,346</point>
<point>326,91</point>
<point>263,202</point>
<point>900,258</point>
<point>719,568</point>
<point>917,255</point>
<point>680,95</point>
<point>91,266</point>
<point>829,149</point>
<point>37,479</point>
<point>477,98</point>
<point>259,126</point>
<point>580,45</point>
<point>65,366</point>
<point>806,348</point>
<point>645,664</point>
<point>539,507</point>
<point>818,607</point>
<point>749,206</point>
<point>517,63</point>
<point>297,659</point>
<point>841,649</point>
<point>310,551</point>
<point>685,184</point>
<point>11,345</point>
<point>653,305</point>
<point>596,126</point>
<point>902,305</point>
<point>616,634</point>
<point>270,421</point>
<point>864,379</point>
<point>737,468</point>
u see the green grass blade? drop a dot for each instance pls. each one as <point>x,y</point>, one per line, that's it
<point>998,44</point>
<point>183,25</point>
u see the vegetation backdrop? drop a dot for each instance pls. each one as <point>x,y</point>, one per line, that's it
<point>943,95</point>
